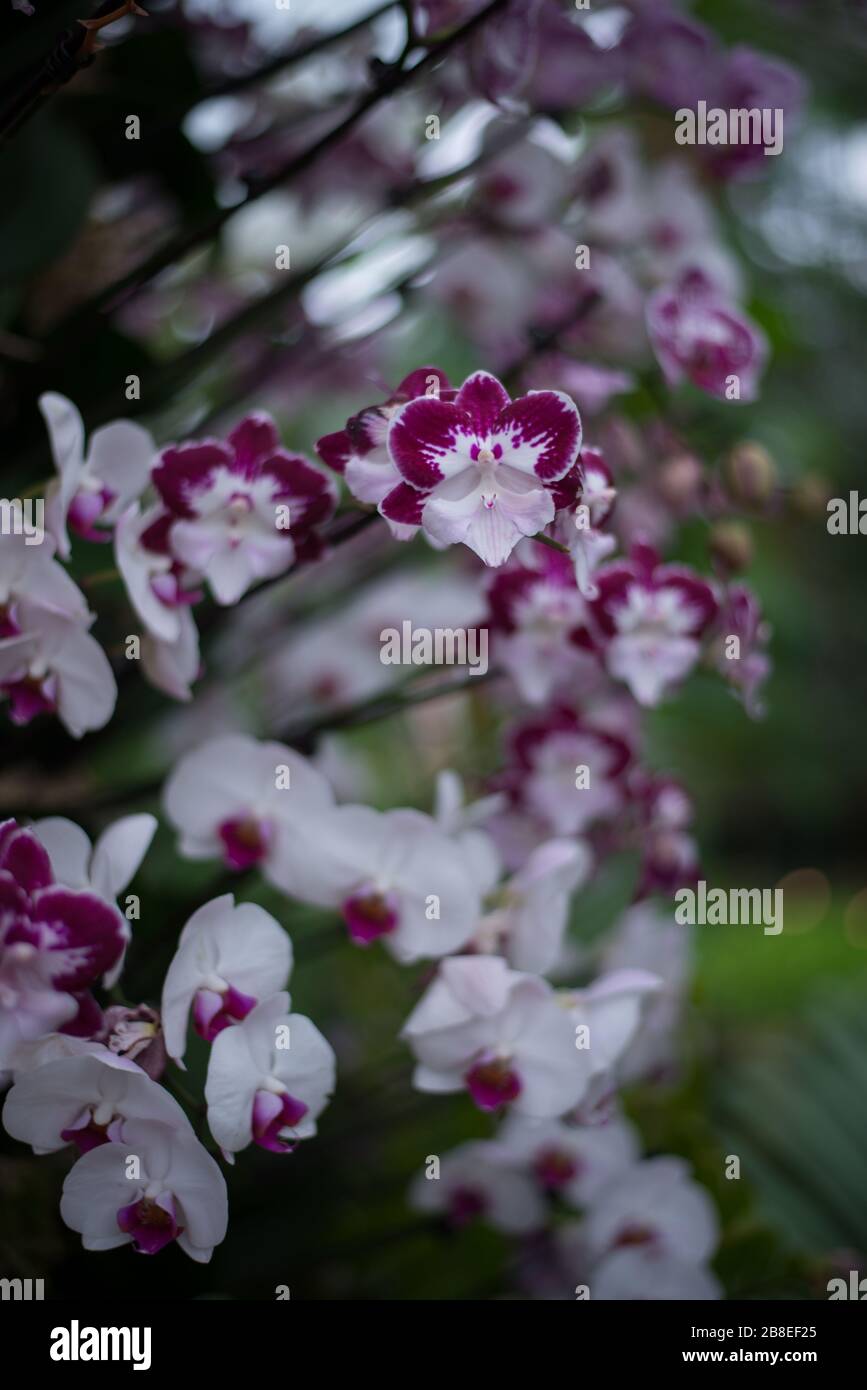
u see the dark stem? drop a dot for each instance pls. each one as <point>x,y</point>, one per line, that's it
<point>296,54</point>
<point>389,80</point>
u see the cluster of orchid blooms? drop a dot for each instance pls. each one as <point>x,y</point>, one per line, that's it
<point>485,891</point>
<point>588,626</point>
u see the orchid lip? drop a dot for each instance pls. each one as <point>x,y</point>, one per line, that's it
<point>492,1082</point>
<point>370,912</point>
<point>150,1222</point>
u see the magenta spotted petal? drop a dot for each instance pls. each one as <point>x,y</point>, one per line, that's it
<point>543,434</point>
<point>482,398</point>
<point>695,597</point>
<point>404,504</point>
<point>309,492</point>
<point>424,381</point>
<point>695,593</point>
<point>431,440</point>
<point>22,856</point>
<point>368,430</point>
<point>185,472</point>
<point>252,441</point>
<point>78,936</point>
<point>336,450</point>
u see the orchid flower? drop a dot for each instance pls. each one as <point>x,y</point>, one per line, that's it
<point>172,1190</point>
<point>228,958</point>
<point>96,485</point>
<point>269,1079</point>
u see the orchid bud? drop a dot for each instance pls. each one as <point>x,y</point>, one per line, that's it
<point>731,547</point>
<point>750,474</point>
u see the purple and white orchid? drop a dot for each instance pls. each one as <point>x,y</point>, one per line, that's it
<point>651,618</point>
<point>228,958</point>
<point>96,486</point>
<point>269,1078</point>
<point>239,511</point>
<point>479,470</point>
<point>175,1193</point>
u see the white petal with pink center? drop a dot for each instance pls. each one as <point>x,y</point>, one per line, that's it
<point>502,1035</point>
<point>178,1194</point>
<point>575,1162</point>
<point>252,803</point>
<point>552,790</point>
<point>228,959</point>
<point>114,472</point>
<point>397,877</point>
<point>272,1056</point>
<point>481,1181</point>
<point>656,1205</point>
<point>84,1101</point>
<point>653,648</point>
<point>234,540</point>
<point>59,658</point>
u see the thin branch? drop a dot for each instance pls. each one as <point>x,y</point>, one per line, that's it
<point>168,377</point>
<point>541,340</point>
<point>385,704</point>
<point>389,80</point>
<point>74,49</point>
<point>295,55</point>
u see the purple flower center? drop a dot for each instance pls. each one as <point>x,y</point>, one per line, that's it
<point>88,1136</point>
<point>151,1223</point>
<point>491,1082</point>
<point>272,1114</point>
<point>369,914</point>
<point>215,1010</point>
<point>635,1234</point>
<point>481,454</point>
<point>8,625</point>
<point>466,1204</point>
<point>30,697</point>
<point>554,1168</point>
<point>86,509</point>
<point>246,841</point>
